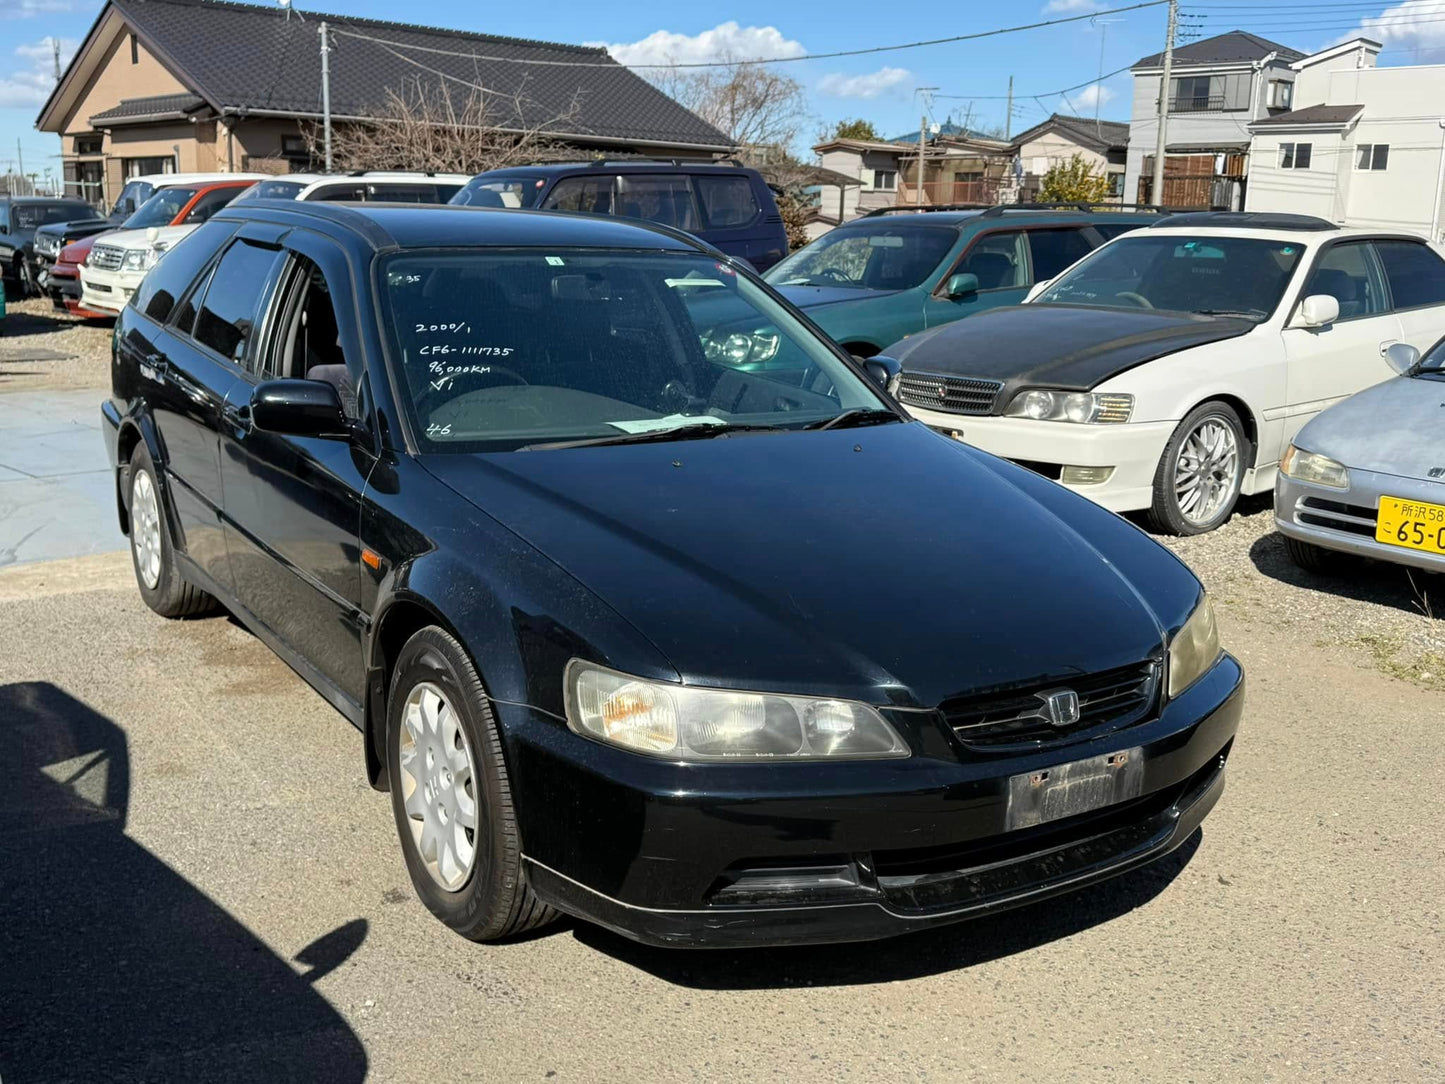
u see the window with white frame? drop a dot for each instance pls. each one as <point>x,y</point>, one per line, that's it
<point>1295,155</point>
<point>1281,93</point>
<point>1372,156</point>
<point>885,180</point>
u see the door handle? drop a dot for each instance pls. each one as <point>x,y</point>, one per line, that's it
<point>155,366</point>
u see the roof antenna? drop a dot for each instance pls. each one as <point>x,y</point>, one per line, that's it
<point>286,7</point>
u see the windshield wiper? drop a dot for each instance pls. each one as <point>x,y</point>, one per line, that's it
<point>696,431</point>
<point>1249,314</point>
<point>857,416</point>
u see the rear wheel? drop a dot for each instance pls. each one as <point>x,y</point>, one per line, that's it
<point>160,582</point>
<point>1314,558</point>
<point>451,795</point>
<point>1199,476</point>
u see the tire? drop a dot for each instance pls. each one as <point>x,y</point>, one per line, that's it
<point>438,710</point>
<point>151,556</point>
<point>1313,558</point>
<point>1215,430</point>
<point>27,281</point>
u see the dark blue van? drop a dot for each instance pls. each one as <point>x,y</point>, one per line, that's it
<point>727,205</point>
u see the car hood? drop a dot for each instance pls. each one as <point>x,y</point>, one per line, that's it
<point>887,564</point>
<point>1059,346</point>
<point>1397,427</point>
<point>167,235</point>
<point>812,297</point>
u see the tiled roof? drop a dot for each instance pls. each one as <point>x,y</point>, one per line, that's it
<point>1234,47</point>
<point>1100,135</point>
<point>1312,114</point>
<point>246,57</point>
<point>160,105</point>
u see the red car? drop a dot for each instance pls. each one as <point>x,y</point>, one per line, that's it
<point>175,205</point>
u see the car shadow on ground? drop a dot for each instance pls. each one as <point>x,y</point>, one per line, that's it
<point>114,966</point>
<point>912,956</point>
<point>17,325</point>
<point>1358,578</point>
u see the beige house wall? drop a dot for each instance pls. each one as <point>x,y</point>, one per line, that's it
<point>118,78</point>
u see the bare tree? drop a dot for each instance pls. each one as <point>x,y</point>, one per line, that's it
<point>749,102</point>
<point>432,126</point>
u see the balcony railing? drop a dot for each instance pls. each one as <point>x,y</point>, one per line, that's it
<point>1198,103</point>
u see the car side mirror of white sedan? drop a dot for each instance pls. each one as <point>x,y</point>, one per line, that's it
<point>1317,310</point>
<point>1402,357</point>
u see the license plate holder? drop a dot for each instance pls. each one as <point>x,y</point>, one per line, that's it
<point>1079,786</point>
<point>1414,525</point>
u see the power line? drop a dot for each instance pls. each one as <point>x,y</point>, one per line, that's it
<point>755,60</point>
<point>1042,94</point>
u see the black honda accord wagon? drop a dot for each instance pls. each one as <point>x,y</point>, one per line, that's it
<point>650,605</point>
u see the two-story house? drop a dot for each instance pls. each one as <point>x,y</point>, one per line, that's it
<point>1218,87</point>
<point>1102,144</point>
<point>1364,147</point>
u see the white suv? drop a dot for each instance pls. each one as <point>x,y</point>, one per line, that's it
<point>366,186</point>
<point>1168,369</point>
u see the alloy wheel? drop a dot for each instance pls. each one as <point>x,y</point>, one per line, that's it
<point>1206,472</point>
<point>439,788</point>
<point>145,529</point>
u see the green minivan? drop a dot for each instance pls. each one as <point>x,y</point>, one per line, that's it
<point>899,270</point>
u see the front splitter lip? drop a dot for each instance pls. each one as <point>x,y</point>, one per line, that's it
<point>836,923</point>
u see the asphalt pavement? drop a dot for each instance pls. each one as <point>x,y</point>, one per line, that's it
<point>197,884</point>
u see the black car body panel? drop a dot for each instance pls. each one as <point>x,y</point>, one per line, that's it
<point>1073,347</point>
<point>909,572</point>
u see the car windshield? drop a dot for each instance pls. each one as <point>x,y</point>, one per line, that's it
<point>881,256</point>
<point>30,215</point>
<point>1210,274</point>
<point>273,190</point>
<point>161,209</point>
<point>132,196</point>
<point>501,349</point>
<point>499,192</point>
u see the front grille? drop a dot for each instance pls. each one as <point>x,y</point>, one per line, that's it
<point>106,257</point>
<point>1015,721</point>
<point>1337,516</point>
<point>47,246</point>
<point>950,394</point>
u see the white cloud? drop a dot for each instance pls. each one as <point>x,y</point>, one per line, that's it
<point>1071,7</point>
<point>838,85</point>
<point>33,81</point>
<point>1096,94</point>
<point>1415,25</point>
<point>727,41</point>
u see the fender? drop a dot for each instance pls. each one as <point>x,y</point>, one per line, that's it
<point>137,427</point>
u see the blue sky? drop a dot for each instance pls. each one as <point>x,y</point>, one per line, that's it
<point>879,87</point>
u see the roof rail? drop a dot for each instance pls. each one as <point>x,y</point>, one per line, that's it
<point>601,163</point>
<point>1077,205</point>
<point>1260,220</point>
<point>904,209</point>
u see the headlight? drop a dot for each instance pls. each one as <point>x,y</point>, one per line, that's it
<point>1083,407</point>
<point>742,349</point>
<point>134,260</point>
<point>1194,649</point>
<point>1312,467</point>
<point>684,722</point>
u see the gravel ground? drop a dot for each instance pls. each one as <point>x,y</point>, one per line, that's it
<point>41,348</point>
<point>1381,614</point>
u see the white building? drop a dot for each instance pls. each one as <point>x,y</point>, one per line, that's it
<point>1365,147</point>
<point>1218,87</point>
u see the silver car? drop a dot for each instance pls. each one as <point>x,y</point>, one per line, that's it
<point>1367,476</point>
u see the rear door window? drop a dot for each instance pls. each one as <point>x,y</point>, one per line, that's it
<point>1416,274</point>
<point>226,322</point>
<point>663,198</point>
<point>727,202</point>
<point>998,260</point>
<point>1350,274</point>
<point>1054,250</point>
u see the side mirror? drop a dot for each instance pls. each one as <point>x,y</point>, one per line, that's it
<point>1402,357</point>
<point>300,408</point>
<point>883,370</point>
<point>1317,310</point>
<point>152,234</point>
<point>961,285</point>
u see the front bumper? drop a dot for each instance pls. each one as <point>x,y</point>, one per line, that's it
<point>1344,519</point>
<point>107,291</point>
<point>1132,449</point>
<point>735,855</point>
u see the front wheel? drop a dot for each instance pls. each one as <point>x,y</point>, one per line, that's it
<point>1201,472</point>
<point>451,795</point>
<point>1314,558</point>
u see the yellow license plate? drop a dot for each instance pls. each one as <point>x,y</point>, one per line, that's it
<point>1412,524</point>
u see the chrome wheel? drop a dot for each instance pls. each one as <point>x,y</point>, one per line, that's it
<point>145,529</point>
<point>438,785</point>
<point>1206,473</point>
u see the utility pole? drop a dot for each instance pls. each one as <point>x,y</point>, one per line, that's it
<point>55,48</point>
<point>20,157</point>
<point>1156,188</point>
<point>922,132</point>
<point>326,92</point>
<point>1008,115</point>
